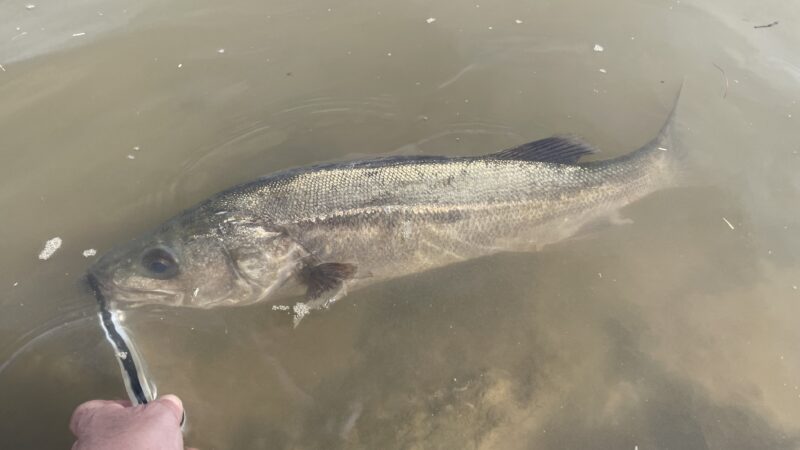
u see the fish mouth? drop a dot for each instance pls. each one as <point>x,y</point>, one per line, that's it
<point>106,293</point>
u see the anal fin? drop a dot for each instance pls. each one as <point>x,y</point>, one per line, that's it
<point>600,224</point>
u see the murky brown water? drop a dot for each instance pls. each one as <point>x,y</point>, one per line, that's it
<point>681,331</point>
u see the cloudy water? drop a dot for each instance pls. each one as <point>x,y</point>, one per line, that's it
<point>680,330</point>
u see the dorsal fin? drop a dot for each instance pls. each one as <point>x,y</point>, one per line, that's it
<point>556,149</point>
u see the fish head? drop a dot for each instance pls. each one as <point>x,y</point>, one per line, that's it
<point>195,262</point>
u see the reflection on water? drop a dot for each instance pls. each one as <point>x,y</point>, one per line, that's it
<point>677,331</point>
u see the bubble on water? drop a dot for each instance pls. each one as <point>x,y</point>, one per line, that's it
<point>430,19</point>
<point>517,21</point>
<point>300,310</point>
<point>131,157</point>
<point>89,252</point>
<point>30,6</point>
<point>50,247</point>
<point>222,50</point>
<point>598,48</point>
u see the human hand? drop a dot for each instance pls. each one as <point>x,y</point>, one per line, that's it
<point>117,425</point>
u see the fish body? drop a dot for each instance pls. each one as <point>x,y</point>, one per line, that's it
<point>326,229</point>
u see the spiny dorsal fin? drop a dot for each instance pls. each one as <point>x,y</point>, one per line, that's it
<point>556,149</point>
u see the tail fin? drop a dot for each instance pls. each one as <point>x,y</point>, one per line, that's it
<point>662,161</point>
<point>664,140</point>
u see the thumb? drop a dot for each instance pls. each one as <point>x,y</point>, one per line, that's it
<point>173,403</point>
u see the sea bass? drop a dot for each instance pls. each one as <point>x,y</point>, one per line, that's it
<point>322,230</point>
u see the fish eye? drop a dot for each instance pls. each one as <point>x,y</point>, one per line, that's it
<point>160,263</point>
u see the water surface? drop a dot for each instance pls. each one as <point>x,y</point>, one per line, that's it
<point>679,331</point>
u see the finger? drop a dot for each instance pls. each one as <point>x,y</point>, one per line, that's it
<point>172,402</point>
<point>86,410</point>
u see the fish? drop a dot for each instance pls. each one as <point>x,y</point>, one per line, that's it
<point>315,233</point>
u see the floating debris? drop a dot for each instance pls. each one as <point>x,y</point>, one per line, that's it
<point>220,51</point>
<point>2,68</point>
<point>30,6</point>
<point>16,283</point>
<point>598,48</point>
<point>131,157</point>
<point>50,247</point>
<point>430,19</point>
<point>602,70</point>
<point>136,148</point>
<point>517,21</point>
<point>180,65</point>
<point>724,77</point>
<point>78,34</point>
<point>89,252</point>
<point>729,224</point>
<point>771,24</point>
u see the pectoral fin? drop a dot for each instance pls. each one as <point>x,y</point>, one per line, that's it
<point>325,277</point>
<point>325,284</point>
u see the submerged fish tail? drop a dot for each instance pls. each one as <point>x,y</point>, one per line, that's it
<point>657,164</point>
